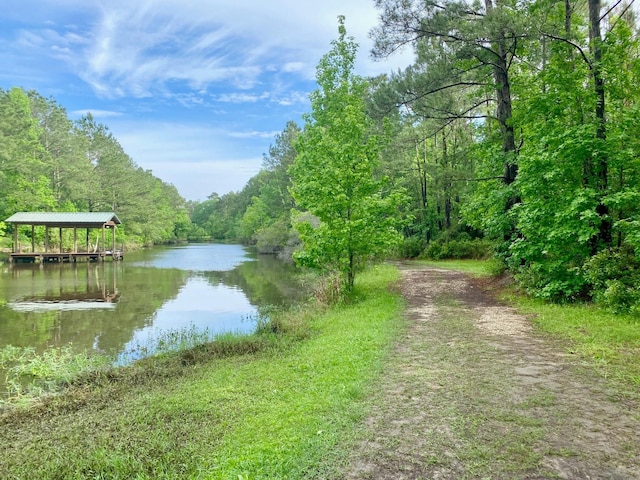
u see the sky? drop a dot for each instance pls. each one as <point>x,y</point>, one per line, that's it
<point>193,90</point>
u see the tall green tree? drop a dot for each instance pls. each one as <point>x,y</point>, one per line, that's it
<point>577,176</point>
<point>112,168</point>
<point>463,47</point>
<point>62,154</point>
<point>23,176</point>
<point>334,172</point>
<point>268,218</point>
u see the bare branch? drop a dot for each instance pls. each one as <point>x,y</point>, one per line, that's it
<point>574,45</point>
<point>446,87</point>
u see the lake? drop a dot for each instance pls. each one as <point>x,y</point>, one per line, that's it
<point>124,308</point>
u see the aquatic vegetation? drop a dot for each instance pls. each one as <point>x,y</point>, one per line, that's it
<point>30,374</point>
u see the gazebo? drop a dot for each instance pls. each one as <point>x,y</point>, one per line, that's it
<point>66,220</point>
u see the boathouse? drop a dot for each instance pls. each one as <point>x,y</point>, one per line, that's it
<point>103,222</point>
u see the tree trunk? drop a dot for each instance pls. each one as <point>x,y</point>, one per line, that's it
<point>599,168</point>
<point>504,109</point>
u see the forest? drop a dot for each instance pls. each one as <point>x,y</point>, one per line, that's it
<point>513,135</point>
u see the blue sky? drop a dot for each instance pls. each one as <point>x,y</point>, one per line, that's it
<point>194,90</point>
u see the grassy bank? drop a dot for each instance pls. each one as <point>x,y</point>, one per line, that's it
<point>606,341</point>
<point>283,411</point>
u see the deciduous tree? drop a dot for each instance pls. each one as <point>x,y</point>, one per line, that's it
<point>333,174</point>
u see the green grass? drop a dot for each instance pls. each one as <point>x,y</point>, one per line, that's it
<point>29,375</point>
<point>285,411</point>
<point>476,268</point>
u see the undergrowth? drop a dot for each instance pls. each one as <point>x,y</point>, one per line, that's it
<point>30,376</point>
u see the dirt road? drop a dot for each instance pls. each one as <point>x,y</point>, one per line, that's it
<point>472,391</point>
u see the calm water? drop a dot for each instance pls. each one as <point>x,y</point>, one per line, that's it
<point>119,307</point>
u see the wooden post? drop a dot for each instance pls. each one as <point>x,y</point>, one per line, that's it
<point>60,235</point>
<point>87,242</point>
<point>113,239</point>
<point>75,239</point>
<point>103,244</point>
<point>33,239</point>
<point>46,239</point>
<point>16,247</point>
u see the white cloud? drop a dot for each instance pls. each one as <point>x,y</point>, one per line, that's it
<point>95,113</point>
<point>292,98</point>
<point>293,67</point>
<point>241,97</point>
<point>135,48</point>
<point>253,134</point>
<point>237,70</point>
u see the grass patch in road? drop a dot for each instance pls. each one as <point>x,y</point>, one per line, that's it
<point>281,412</point>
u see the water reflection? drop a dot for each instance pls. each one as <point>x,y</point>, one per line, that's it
<point>89,287</point>
<point>112,307</point>
<point>227,309</point>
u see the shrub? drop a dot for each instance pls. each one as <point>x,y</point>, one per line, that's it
<point>614,276</point>
<point>460,248</point>
<point>411,247</point>
<point>273,238</point>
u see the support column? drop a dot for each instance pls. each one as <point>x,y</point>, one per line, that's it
<point>75,239</point>
<point>46,239</point>
<point>33,239</point>
<point>60,238</point>
<point>16,247</point>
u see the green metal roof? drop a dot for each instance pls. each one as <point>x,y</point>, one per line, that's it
<point>64,219</point>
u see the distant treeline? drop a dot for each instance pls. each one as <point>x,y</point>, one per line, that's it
<point>51,163</point>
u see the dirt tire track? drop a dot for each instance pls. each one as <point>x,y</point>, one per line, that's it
<point>472,391</point>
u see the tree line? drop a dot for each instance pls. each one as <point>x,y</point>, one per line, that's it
<point>50,163</point>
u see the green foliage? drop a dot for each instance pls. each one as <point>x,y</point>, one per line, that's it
<point>614,276</point>
<point>411,247</point>
<point>255,217</point>
<point>459,248</point>
<point>274,237</point>
<point>334,174</point>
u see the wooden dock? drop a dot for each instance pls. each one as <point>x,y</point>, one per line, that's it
<point>67,251</point>
<point>70,257</point>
